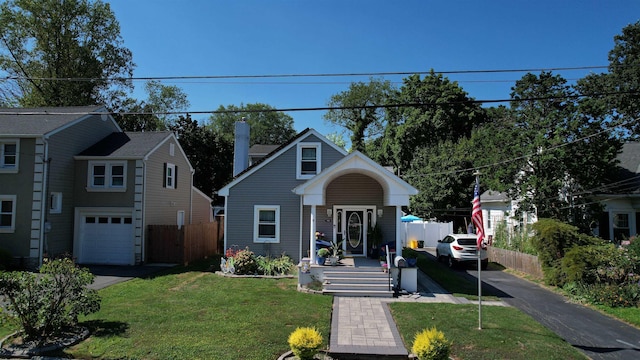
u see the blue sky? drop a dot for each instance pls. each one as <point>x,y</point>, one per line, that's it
<point>265,37</point>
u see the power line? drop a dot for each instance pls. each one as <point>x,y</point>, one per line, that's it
<point>271,76</point>
<point>322,108</point>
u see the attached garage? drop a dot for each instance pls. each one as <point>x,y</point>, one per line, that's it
<point>105,237</point>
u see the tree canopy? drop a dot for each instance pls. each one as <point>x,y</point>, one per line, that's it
<point>46,43</point>
<point>268,127</point>
<point>358,110</point>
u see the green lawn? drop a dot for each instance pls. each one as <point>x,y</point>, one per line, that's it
<point>506,333</point>
<point>191,313</point>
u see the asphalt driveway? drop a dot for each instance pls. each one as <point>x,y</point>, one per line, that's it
<point>597,335</point>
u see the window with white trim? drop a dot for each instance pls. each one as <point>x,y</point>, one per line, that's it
<point>9,155</point>
<point>170,176</point>
<point>308,162</point>
<point>621,228</point>
<point>7,213</point>
<point>55,203</point>
<point>266,224</point>
<point>107,176</point>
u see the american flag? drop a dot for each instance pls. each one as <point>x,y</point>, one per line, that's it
<point>476,215</point>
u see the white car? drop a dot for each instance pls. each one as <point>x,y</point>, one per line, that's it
<point>459,248</point>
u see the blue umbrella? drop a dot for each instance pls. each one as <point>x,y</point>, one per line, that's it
<point>410,218</point>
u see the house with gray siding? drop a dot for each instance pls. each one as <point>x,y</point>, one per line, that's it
<point>310,188</point>
<point>72,182</point>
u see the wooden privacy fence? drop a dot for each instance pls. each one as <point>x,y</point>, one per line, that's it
<point>168,244</point>
<point>525,263</point>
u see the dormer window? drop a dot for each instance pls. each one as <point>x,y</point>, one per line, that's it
<point>308,162</point>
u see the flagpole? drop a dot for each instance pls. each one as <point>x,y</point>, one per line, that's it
<point>479,250</point>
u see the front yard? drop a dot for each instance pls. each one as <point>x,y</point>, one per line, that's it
<point>191,313</point>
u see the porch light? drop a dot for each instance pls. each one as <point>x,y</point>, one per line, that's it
<point>329,212</point>
<point>379,212</point>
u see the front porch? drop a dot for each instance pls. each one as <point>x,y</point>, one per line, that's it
<point>357,276</point>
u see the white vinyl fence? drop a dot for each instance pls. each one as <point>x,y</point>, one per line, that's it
<point>429,232</point>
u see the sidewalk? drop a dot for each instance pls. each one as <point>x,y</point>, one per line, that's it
<point>362,327</point>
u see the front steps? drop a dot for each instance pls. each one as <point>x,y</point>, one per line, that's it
<point>357,281</point>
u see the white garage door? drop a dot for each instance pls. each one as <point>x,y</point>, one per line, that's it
<point>106,239</point>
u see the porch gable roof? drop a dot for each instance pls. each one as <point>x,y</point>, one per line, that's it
<point>396,190</point>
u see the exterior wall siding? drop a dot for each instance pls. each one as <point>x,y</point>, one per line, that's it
<point>63,176</point>
<point>21,185</point>
<point>201,209</point>
<point>272,185</point>
<point>161,205</point>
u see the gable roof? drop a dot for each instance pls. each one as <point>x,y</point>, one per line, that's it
<point>494,196</point>
<point>396,190</point>
<point>224,191</point>
<point>260,149</point>
<point>627,179</point>
<point>30,122</point>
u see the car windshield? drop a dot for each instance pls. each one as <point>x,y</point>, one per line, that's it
<point>468,241</point>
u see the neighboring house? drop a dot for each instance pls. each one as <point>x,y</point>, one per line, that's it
<point>72,182</point>
<point>257,152</point>
<point>307,186</point>
<point>620,218</point>
<point>497,209</point>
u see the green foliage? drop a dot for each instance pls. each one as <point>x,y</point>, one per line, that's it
<point>323,252</point>
<point>518,240</point>
<point>245,262</point>
<point>581,263</point>
<point>623,295</point>
<point>5,259</point>
<point>553,238</point>
<point>268,127</point>
<point>356,110</point>
<point>210,154</point>
<point>431,344</point>
<point>305,342</point>
<point>62,39</point>
<point>282,265</point>
<point>48,303</point>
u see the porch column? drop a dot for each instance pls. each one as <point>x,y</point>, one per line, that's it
<point>312,235</point>
<point>398,230</point>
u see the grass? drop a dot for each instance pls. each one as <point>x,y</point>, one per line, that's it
<point>193,314</point>
<point>506,332</point>
<point>450,280</point>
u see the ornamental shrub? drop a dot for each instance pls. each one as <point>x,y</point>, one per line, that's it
<point>51,302</point>
<point>305,342</point>
<point>431,345</point>
<point>244,262</point>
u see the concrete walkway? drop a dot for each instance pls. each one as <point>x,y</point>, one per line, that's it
<point>363,328</point>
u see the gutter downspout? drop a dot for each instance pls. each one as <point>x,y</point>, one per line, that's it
<point>143,240</point>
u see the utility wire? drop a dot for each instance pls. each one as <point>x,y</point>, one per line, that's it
<point>270,76</point>
<point>322,108</point>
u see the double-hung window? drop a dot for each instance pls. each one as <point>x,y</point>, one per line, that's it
<point>266,227</point>
<point>621,228</point>
<point>7,213</point>
<point>170,176</point>
<point>308,162</point>
<point>107,176</point>
<point>9,151</point>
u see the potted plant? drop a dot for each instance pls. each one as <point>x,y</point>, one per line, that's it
<point>323,254</point>
<point>335,252</point>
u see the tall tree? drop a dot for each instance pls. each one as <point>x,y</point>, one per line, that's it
<point>157,112</point>
<point>564,152</point>
<point>268,127</point>
<point>210,155</point>
<point>433,110</point>
<point>45,43</point>
<point>359,110</point>
<point>164,99</point>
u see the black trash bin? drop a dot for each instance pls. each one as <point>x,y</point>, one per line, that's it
<point>420,244</point>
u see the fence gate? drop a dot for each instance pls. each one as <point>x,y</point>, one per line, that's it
<point>166,244</point>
